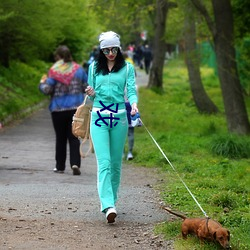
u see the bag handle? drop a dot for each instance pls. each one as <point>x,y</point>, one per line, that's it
<point>85,139</point>
<point>85,99</point>
<point>90,149</point>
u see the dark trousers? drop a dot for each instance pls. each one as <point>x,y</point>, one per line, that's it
<point>147,65</point>
<point>62,122</point>
<point>131,139</point>
<point>130,129</point>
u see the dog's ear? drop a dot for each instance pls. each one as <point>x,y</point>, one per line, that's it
<point>214,235</point>
<point>228,237</point>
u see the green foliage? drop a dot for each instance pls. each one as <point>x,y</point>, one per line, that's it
<point>231,146</point>
<point>175,28</point>
<point>29,33</point>
<point>243,59</point>
<point>128,18</point>
<point>224,200</point>
<point>170,230</point>
<point>175,25</point>
<point>241,17</point>
<point>19,87</point>
<point>219,183</point>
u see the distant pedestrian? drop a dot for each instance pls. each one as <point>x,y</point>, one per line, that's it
<point>138,56</point>
<point>65,84</point>
<point>147,54</point>
<point>128,108</point>
<point>93,55</point>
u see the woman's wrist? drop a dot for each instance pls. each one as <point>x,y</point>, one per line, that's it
<point>90,91</point>
<point>134,108</point>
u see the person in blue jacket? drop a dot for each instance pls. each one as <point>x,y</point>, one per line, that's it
<point>108,77</point>
<point>65,83</point>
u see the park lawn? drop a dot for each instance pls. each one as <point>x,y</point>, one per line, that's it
<point>192,143</point>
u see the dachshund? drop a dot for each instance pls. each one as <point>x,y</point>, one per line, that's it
<point>204,229</point>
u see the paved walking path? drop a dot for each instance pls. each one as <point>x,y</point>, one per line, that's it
<point>26,163</point>
<point>141,78</point>
<point>30,190</point>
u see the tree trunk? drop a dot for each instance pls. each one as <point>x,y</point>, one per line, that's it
<point>201,99</point>
<point>235,109</point>
<point>223,38</point>
<point>159,47</point>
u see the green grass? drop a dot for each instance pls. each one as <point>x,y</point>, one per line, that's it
<point>19,88</point>
<point>214,164</point>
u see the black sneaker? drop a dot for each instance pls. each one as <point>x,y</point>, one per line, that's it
<point>76,170</point>
<point>58,171</point>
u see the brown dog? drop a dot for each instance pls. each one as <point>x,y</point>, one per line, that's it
<point>204,229</point>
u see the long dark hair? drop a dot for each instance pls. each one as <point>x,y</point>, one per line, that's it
<point>102,67</point>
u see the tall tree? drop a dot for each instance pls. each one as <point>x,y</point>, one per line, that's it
<point>223,38</point>
<point>201,99</point>
<point>159,44</point>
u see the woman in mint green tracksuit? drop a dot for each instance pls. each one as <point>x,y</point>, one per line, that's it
<point>108,77</point>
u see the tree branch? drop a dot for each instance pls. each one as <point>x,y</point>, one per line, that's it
<point>202,9</point>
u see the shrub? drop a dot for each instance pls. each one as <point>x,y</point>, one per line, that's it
<point>223,200</point>
<point>231,146</point>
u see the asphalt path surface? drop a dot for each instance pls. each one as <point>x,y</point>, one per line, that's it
<point>33,195</point>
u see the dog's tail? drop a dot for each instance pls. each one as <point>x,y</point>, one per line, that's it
<point>175,213</point>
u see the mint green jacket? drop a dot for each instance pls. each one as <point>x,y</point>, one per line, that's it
<point>110,88</point>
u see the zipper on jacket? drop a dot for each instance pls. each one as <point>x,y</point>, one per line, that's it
<point>110,98</point>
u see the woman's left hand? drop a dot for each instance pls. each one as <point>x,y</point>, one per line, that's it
<point>134,109</point>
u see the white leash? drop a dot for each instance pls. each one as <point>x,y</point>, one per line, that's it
<point>174,169</point>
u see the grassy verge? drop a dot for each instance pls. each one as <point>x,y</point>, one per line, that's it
<point>214,164</point>
<point>19,89</point>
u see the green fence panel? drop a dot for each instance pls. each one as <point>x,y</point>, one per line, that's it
<point>207,55</point>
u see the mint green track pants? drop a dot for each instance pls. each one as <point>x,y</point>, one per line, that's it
<point>108,145</point>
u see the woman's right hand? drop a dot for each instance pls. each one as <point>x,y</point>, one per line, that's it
<point>90,91</point>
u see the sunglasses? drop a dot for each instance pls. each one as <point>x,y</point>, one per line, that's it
<point>106,51</point>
